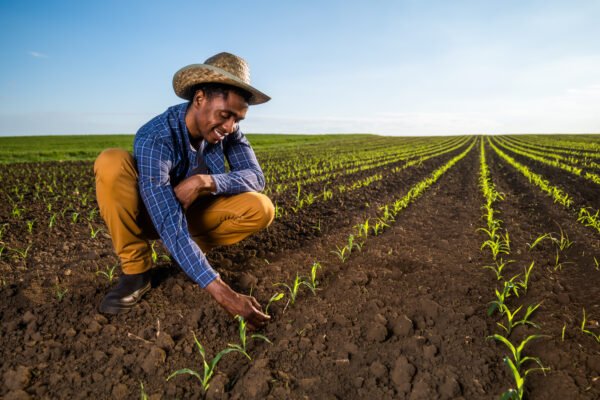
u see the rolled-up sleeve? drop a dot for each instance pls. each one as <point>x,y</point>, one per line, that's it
<point>154,162</point>
<point>245,173</point>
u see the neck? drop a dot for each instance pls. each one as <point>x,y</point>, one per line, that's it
<point>194,133</point>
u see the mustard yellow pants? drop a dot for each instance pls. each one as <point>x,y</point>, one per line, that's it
<point>212,220</point>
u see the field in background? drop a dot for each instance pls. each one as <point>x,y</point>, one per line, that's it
<point>413,251</point>
<point>87,147</point>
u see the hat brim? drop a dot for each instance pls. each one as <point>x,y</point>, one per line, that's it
<point>189,76</point>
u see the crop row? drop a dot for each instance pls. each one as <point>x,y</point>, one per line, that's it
<point>302,161</point>
<point>367,161</point>
<point>549,159</point>
<point>354,242</point>
<point>498,243</point>
<point>305,198</point>
<point>587,215</point>
<point>573,157</point>
<point>587,145</point>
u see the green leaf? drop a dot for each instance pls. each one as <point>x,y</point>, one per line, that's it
<point>185,371</point>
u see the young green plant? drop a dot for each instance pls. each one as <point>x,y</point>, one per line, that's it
<point>275,298</point>
<point>208,367</point>
<point>293,289</point>
<point>511,321</point>
<point>109,273</point>
<point>242,346</point>
<point>587,331</point>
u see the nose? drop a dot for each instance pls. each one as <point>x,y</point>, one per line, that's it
<point>230,125</point>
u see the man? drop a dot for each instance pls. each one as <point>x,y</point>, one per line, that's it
<point>175,186</point>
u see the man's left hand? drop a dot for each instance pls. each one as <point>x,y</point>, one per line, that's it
<point>188,190</point>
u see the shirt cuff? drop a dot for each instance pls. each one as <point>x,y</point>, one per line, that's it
<point>221,183</point>
<point>210,276</point>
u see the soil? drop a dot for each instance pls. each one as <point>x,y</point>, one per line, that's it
<point>404,318</point>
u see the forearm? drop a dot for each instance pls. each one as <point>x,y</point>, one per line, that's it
<point>193,187</point>
<point>248,180</point>
<point>169,220</point>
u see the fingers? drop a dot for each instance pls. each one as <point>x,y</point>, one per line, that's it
<point>255,303</point>
<point>257,318</point>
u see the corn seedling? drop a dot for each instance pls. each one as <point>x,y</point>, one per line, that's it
<point>60,292</point>
<point>208,368</point>
<point>585,330</point>
<point>92,215</point>
<point>241,347</point>
<point>524,283</point>
<point>317,226</point>
<point>276,297</point>
<point>539,240</point>
<point>278,211</point>
<point>557,264</point>
<point>597,264</point>
<point>562,334</point>
<point>517,352</point>
<point>312,283</point>
<point>143,394</point>
<point>109,273</point>
<point>563,242</point>
<point>327,194</point>
<point>587,218</point>
<point>16,212</point>
<point>22,253</point>
<point>294,289</point>
<point>500,264</point>
<point>155,256</point>
<point>501,297</point>
<point>511,323</point>
<point>363,229</point>
<point>352,244</point>
<point>379,226</point>
<point>2,230</point>
<point>517,394</point>
<point>74,217</point>
<point>52,220</point>
<point>498,244</point>
<point>94,232</point>
<point>387,214</point>
<point>342,252</point>
<point>30,224</point>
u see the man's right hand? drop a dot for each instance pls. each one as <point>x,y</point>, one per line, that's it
<point>238,304</point>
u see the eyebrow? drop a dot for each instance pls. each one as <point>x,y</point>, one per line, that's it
<point>237,117</point>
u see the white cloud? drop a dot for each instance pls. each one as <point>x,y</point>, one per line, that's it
<point>36,54</point>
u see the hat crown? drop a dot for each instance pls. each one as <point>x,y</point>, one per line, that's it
<point>231,63</point>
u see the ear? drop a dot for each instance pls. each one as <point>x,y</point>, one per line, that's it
<point>198,97</point>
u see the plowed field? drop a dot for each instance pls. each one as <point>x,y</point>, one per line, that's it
<point>404,313</point>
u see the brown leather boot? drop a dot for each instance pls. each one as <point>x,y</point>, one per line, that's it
<point>126,293</point>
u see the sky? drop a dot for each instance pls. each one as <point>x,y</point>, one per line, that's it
<point>413,67</point>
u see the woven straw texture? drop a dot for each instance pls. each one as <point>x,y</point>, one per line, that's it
<point>221,68</point>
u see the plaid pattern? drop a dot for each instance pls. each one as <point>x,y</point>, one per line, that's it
<point>158,149</point>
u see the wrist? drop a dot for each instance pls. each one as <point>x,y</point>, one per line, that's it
<point>218,290</point>
<point>206,183</point>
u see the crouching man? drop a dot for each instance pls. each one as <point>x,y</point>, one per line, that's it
<point>175,186</point>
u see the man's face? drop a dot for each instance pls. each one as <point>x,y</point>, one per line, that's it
<point>217,117</point>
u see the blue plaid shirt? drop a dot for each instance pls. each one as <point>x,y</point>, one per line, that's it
<point>165,157</point>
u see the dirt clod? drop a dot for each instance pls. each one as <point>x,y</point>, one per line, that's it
<point>402,374</point>
<point>17,378</point>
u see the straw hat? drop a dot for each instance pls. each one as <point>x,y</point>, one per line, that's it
<point>221,68</point>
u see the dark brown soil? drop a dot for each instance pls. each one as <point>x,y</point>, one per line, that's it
<point>403,318</point>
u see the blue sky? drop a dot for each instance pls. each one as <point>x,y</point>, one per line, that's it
<point>390,67</point>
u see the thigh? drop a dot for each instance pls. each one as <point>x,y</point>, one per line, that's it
<point>209,212</point>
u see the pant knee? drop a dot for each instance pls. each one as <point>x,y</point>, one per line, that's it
<point>265,211</point>
<point>112,164</point>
